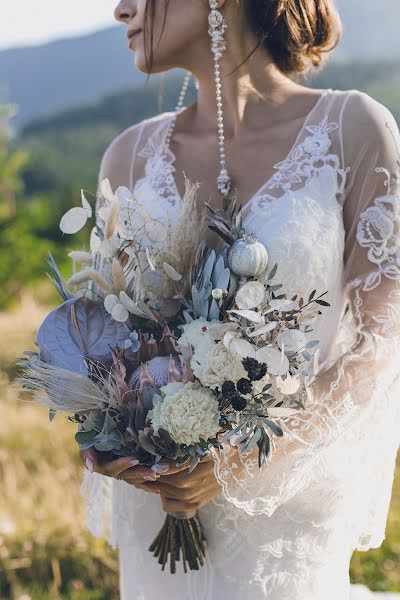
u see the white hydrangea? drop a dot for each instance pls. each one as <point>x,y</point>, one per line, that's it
<point>217,365</point>
<point>188,412</point>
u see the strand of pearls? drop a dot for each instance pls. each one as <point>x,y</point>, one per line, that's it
<point>217,26</point>
<point>178,107</point>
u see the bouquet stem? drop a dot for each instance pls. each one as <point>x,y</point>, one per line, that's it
<point>180,536</point>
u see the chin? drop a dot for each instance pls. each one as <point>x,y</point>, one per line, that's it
<point>140,64</point>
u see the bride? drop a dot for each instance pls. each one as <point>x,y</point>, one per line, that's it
<point>318,175</point>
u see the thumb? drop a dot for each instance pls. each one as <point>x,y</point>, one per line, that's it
<point>90,459</point>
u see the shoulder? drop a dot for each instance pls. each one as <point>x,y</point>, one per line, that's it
<point>117,157</point>
<point>368,119</point>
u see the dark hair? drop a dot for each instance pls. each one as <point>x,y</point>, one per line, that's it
<point>296,33</point>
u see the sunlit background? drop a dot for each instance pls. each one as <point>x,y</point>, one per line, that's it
<point>67,88</point>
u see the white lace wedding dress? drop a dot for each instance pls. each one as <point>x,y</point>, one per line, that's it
<point>329,216</point>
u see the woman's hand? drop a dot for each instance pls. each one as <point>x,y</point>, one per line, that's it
<point>184,492</point>
<point>125,468</point>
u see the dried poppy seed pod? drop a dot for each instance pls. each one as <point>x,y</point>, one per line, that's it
<point>247,257</point>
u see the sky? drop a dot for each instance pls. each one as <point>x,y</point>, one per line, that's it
<point>26,22</point>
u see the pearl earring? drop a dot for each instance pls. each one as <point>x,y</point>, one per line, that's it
<point>216,29</point>
<point>217,25</point>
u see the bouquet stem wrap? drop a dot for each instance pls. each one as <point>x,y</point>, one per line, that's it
<point>180,536</point>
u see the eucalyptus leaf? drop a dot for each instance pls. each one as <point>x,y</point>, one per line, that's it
<point>252,442</point>
<point>312,344</point>
<point>109,442</point>
<point>193,464</point>
<point>275,428</point>
<point>109,424</point>
<point>273,272</point>
<point>83,437</point>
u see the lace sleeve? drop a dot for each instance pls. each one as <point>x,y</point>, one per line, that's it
<point>352,395</point>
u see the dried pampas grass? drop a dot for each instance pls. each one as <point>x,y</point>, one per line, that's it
<point>118,276</point>
<point>91,275</point>
<point>189,231</point>
<point>81,256</point>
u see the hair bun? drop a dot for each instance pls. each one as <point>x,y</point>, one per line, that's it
<point>296,33</point>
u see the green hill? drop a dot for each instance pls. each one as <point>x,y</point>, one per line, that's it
<point>46,78</point>
<point>68,146</point>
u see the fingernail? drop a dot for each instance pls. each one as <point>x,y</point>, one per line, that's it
<point>151,477</point>
<point>89,464</point>
<point>133,463</point>
<point>157,468</point>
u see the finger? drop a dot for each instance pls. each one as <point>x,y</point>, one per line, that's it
<point>172,468</point>
<point>151,488</point>
<point>89,457</point>
<point>184,478</point>
<point>140,472</point>
<point>170,505</point>
<point>113,468</point>
<point>185,495</point>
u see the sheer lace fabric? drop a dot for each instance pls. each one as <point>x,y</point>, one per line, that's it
<point>330,217</point>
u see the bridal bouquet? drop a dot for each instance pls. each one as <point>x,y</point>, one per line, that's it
<point>165,349</point>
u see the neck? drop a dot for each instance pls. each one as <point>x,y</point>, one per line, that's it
<point>246,91</point>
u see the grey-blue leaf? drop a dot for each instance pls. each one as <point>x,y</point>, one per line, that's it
<point>193,464</point>
<point>204,309</point>
<point>213,313</point>
<point>219,268</point>
<point>77,329</point>
<point>252,442</point>
<point>208,267</point>
<point>84,437</point>
<point>223,280</point>
<point>277,430</point>
<point>312,343</point>
<point>109,424</point>
<point>188,318</point>
<point>106,443</point>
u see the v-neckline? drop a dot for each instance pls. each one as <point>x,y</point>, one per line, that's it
<point>265,185</point>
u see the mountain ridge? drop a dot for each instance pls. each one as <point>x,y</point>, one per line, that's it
<point>47,78</point>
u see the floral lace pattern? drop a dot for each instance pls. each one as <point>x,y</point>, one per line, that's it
<point>379,230</point>
<point>158,167</point>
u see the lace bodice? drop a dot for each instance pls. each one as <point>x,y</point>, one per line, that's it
<point>329,216</point>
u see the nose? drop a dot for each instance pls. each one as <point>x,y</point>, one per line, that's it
<point>125,11</point>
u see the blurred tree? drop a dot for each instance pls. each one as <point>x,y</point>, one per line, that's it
<point>11,165</point>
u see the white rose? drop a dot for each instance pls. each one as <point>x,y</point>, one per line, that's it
<point>188,412</point>
<point>217,366</point>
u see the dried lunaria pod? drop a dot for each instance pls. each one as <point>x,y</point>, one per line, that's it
<point>76,217</point>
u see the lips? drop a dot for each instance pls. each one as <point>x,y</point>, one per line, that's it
<point>132,32</point>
